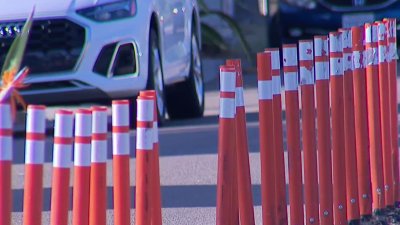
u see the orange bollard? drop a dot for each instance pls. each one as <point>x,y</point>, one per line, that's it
<point>323,127</point>
<point>34,159</point>
<point>144,157</point>
<point>98,168</point>
<point>226,145</point>
<point>82,146</point>
<point>361,124</point>
<point>121,157</point>
<point>267,155</point>
<point>62,159</point>
<point>246,209</point>
<point>235,194</point>
<point>384,99</point>
<point>306,56</point>
<point>280,178</point>
<point>337,108</point>
<point>353,207</point>
<point>392,57</point>
<point>293,133</point>
<point>5,164</point>
<point>374,128</point>
<point>156,213</point>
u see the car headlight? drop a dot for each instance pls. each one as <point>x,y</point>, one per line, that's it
<point>110,11</point>
<point>306,4</point>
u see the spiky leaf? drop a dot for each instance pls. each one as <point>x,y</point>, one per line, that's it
<point>16,53</point>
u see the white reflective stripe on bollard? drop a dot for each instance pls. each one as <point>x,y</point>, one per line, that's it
<point>228,81</point>
<point>35,120</point>
<point>120,143</point>
<point>239,97</point>
<point>120,113</point>
<point>62,156</point>
<point>289,56</point>
<point>322,70</point>
<point>276,85</point>
<point>143,113</point>
<point>82,156</point>
<point>34,152</point>
<point>99,151</point>
<point>227,108</point>
<point>145,138</point>
<point>358,60</point>
<point>265,90</point>
<point>291,82</point>
<point>5,148</point>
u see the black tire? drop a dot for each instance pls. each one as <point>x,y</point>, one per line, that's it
<point>186,99</point>
<point>155,80</point>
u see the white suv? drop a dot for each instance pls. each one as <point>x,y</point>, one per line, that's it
<point>96,50</point>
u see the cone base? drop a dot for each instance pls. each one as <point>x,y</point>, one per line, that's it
<point>354,222</point>
<point>366,218</point>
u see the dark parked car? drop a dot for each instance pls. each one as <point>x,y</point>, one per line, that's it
<point>291,20</point>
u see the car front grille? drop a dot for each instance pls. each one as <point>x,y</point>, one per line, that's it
<point>356,4</point>
<point>54,45</point>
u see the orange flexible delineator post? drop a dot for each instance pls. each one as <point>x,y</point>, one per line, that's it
<point>392,57</point>
<point>361,124</point>
<point>226,145</point>
<point>121,157</point>
<point>156,211</point>
<point>338,146</point>
<point>62,154</point>
<point>384,99</point>
<point>374,128</point>
<point>267,155</point>
<point>280,176</point>
<point>353,207</point>
<point>98,168</point>
<point>323,128</point>
<point>293,133</point>
<point>82,148</point>
<point>306,61</point>
<point>235,185</point>
<point>144,158</point>
<point>34,159</point>
<point>5,164</point>
<point>246,210</point>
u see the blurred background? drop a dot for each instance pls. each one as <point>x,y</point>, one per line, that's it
<point>270,23</point>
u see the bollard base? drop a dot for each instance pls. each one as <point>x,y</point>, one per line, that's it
<point>366,218</point>
<point>379,217</point>
<point>354,222</point>
<point>397,205</point>
<point>392,215</point>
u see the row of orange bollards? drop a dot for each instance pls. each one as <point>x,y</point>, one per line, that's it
<point>343,134</point>
<point>88,144</point>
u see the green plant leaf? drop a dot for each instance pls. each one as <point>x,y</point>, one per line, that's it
<point>212,37</point>
<point>203,6</point>
<point>16,53</point>
<point>235,28</point>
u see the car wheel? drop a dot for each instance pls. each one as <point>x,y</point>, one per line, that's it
<point>155,76</point>
<point>186,99</point>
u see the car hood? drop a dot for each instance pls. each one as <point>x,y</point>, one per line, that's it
<point>20,9</point>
